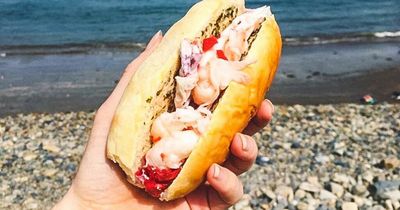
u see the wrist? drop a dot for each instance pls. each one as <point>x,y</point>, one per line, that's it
<point>70,201</point>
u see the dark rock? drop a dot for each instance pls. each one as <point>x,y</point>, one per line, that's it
<point>290,76</point>
<point>341,163</point>
<point>316,73</point>
<point>295,145</point>
<point>263,161</point>
<point>254,203</point>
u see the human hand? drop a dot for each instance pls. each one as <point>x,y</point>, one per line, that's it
<point>101,184</point>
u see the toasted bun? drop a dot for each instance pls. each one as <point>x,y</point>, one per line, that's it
<point>236,107</point>
<point>151,92</point>
<point>151,89</point>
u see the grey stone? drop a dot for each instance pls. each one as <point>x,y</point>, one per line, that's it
<point>285,192</point>
<point>299,194</point>
<point>268,192</point>
<point>306,186</point>
<point>337,189</point>
<point>322,159</point>
<point>244,202</point>
<point>388,205</point>
<point>380,187</point>
<point>392,195</point>
<point>396,204</point>
<point>322,207</point>
<point>326,195</point>
<point>359,189</point>
<point>302,206</point>
<point>341,178</point>
<point>378,207</point>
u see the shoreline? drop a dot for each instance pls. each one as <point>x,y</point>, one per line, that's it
<point>308,74</point>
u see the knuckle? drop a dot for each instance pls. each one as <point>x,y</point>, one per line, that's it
<point>236,193</point>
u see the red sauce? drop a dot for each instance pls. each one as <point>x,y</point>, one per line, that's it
<point>155,139</point>
<point>221,54</point>
<point>208,43</point>
<point>156,180</point>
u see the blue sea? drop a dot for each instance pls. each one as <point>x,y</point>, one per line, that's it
<point>124,23</point>
<point>61,55</point>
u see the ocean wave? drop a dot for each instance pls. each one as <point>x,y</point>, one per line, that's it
<point>74,48</point>
<point>342,38</point>
<point>387,34</point>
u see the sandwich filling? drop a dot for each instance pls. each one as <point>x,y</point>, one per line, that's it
<point>207,68</point>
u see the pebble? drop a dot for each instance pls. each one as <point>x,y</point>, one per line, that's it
<point>326,195</point>
<point>299,194</point>
<point>265,206</point>
<point>391,162</point>
<point>51,147</point>
<point>396,204</point>
<point>285,192</point>
<point>306,186</point>
<point>322,159</point>
<point>337,189</point>
<point>244,202</point>
<point>30,203</point>
<point>368,177</point>
<point>340,178</point>
<point>389,205</point>
<point>314,181</point>
<point>269,193</point>
<point>379,188</point>
<point>29,156</point>
<point>393,195</point>
<point>358,200</point>
<point>295,145</point>
<point>302,206</point>
<point>378,207</point>
<point>50,172</point>
<point>359,189</point>
<point>349,206</point>
<point>322,207</point>
<point>262,160</point>
<point>339,148</point>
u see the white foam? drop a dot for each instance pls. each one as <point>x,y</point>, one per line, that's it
<point>387,34</point>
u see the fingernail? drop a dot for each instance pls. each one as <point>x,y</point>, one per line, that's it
<point>243,138</point>
<point>158,34</point>
<point>217,171</point>
<point>270,105</point>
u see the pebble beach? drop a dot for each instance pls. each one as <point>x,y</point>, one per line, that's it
<point>343,156</point>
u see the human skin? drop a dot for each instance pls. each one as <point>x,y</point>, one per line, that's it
<point>101,184</point>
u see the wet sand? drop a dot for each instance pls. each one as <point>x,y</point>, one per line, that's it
<point>339,89</point>
<point>308,74</point>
